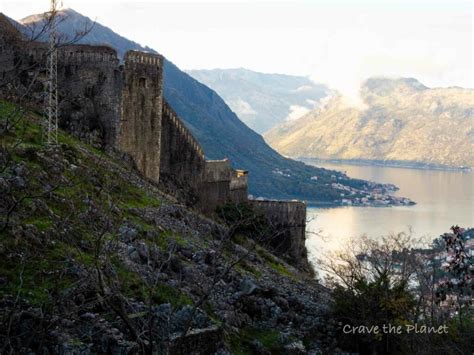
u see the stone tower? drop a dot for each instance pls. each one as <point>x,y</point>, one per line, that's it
<point>142,105</point>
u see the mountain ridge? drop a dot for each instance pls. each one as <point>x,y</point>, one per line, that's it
<point>263,100</point>
<point>403,120</point>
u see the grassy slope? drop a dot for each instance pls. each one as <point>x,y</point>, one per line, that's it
<point>68,195</point>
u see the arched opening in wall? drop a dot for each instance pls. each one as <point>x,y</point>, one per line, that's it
<point>142,82</point>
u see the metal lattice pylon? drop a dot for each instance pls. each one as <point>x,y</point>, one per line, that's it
<point>51,124</point>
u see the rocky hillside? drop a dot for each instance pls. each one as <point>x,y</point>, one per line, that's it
<point>402,121</point>
<point>263,100</point>
<point>93,259</point>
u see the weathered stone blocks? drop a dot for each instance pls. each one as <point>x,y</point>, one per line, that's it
<point>142,105</point>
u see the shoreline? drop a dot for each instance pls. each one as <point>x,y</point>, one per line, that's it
<point>328,205</point>
<point>386,164</point>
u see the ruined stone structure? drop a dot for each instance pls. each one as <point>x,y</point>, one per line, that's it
<point>288,218</point>
<point>121,106</point>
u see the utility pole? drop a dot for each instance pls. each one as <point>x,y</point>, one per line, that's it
<point>51,125</point>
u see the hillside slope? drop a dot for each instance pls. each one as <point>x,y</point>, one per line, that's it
<point>263,100</point>
<point>94,259</point>
<point>218,129</point>
<point>403,121</point>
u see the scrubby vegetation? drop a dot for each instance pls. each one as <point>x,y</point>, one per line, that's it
<point>391,296</point>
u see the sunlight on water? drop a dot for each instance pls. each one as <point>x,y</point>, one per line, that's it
<point>444,198</point>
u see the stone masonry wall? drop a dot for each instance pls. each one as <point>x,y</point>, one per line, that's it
<point>88,76</point>
<point>142,105</point>
<point>288,218</point>
<point>91,83</point>
<point>182,157</point>
<point>216,186</point>
<point>238,186</point>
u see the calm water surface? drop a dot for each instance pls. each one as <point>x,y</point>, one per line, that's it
<point>443,198</point>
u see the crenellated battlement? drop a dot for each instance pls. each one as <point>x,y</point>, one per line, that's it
<point>183,130</point>
<point>83,53</point>
<point>74,53</point>
<point>143,58</point>
<point>289,205</point>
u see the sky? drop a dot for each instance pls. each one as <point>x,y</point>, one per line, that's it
<point>337,42</point>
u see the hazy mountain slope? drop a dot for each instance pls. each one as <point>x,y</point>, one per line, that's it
<point>403,121</point>
<point>220,131</point>
<point>262,100</point>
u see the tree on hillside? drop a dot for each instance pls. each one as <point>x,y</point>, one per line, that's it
<point>371,287</point>
<point>395,281</point>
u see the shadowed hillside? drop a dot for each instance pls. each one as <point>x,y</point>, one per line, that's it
<point>263,100</point>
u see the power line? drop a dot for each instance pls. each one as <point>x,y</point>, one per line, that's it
<point>52,110</point>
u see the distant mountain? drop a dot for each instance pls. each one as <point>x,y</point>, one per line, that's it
<point>262,100</point>
<point>402,121</point>
<point>72,23</point>
<point>218,129</point>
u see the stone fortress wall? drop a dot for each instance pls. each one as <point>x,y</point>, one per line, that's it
<point>121,106</point>
<point>91,84</point>
<point>239,186</point>
<point>182,157</point>
<point>216,184</point>
<point>142,105</point>
<point>289,220</point>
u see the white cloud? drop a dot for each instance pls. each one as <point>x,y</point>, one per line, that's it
<point>313,103</point>
<point>297,112</point>
<point>242,108</point>
<point>304,88</point>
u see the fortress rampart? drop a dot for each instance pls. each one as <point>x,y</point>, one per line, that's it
<point>90,96</point>
<point>239,186</point>
<point>74,53</point>
<point>216,184</point>
<point>122,107</point>
<point>182,157</point>
<point>142,105</point>
<point>288,218</point>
